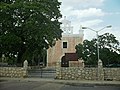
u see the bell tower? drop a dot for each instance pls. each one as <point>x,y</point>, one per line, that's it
<point>66,26</point>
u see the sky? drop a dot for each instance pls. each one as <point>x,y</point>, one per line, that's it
<point>94,14</point>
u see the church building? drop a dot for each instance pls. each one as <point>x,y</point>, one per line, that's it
<point>65,46</point>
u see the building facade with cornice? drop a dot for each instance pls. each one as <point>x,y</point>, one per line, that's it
<point>66,45</point>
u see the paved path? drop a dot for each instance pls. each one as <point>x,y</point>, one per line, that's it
<point>90,88</point>
<point>63,81</point>
<point>31,85</point>
<point>51,84</point>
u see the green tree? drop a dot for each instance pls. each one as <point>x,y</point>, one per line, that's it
<point>108,47</point>
<point>28,26</point>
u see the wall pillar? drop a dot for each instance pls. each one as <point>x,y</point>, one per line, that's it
<point>100,73</point>
<point>58,70</point>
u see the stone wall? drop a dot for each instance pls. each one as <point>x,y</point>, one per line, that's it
<point>112,74</point>
<point>15,72</point>
<point>76,73</point>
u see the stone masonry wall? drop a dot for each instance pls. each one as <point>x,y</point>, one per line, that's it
<point>112,74</point>
<point>76,73</point>
<point>15,72</point>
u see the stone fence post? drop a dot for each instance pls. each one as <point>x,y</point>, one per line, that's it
<point>100,73</point>
<point>58,70</point>
<point>25,64</point>
<point>25,67</point>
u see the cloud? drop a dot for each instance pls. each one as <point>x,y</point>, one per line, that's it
<point>112,13</point>
<point>88,23</point>
<point>91,23</point>
<point>90,12</point>
<point>82,3</point>
<point>88,16</point>
<point>115,31</point>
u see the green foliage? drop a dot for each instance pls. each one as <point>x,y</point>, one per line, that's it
<point>24,26</point>
<point>108,48</point>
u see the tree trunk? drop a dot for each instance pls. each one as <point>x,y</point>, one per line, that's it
<point>20,55</point>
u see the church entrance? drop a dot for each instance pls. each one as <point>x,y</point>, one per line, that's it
<point>64,62</point>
